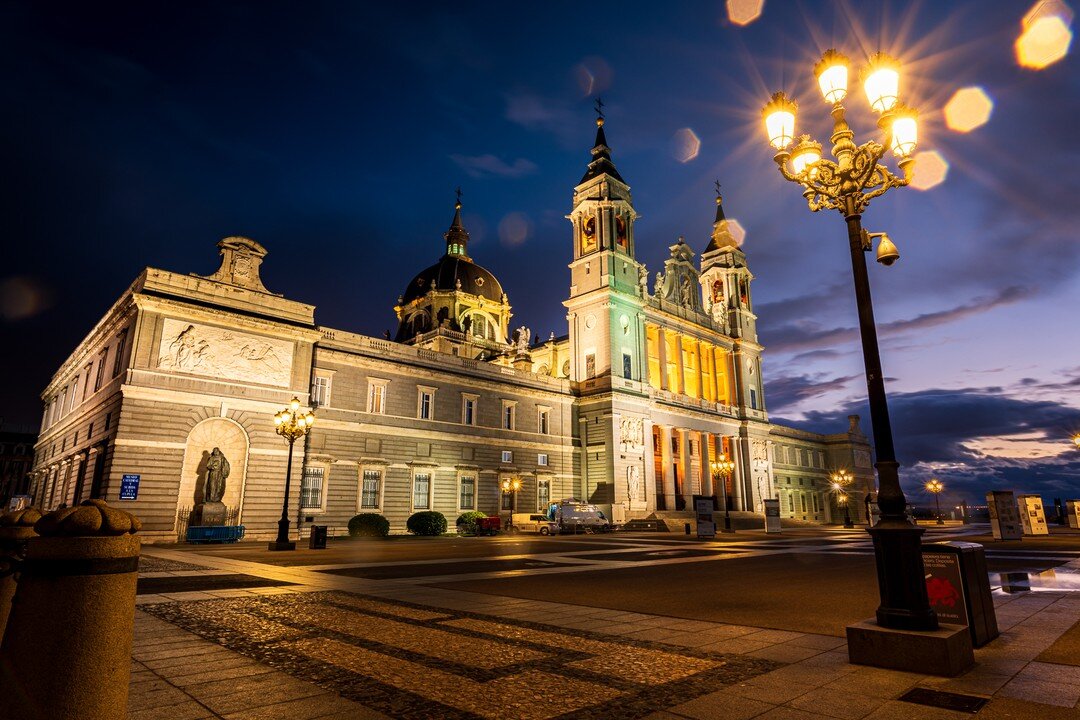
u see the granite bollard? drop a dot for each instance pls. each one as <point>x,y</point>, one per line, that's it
<point>16,529</point>
<point>67,650</point>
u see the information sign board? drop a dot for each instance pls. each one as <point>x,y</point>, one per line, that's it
<point>706,526</point>
<point>129,487</point>
<point>1072,513</point>
<point>1032,515</point>
<point>945,587</point>
<point>772,515</point>
<point>1004,517</point>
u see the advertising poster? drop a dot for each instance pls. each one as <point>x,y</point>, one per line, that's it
<point>706,526</point>
<point>772,515</point>
<point>945,588</point>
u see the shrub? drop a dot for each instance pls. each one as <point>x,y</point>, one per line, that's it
<point>466,522</point>
<point>369,525</point>
<point>426,522</point>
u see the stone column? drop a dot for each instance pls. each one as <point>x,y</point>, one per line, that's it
<point>82,570</point>
<point>16,529</point>
<point>707,456</point>
<point>687,468</point>
<point>700,370</point>
<point>668,465</point>
<point>650,466</point>
<point>681,384</point>
<point>661,335</point>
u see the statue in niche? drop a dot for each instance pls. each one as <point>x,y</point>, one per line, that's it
<point>217,472</point>
<point>633,484</point>
<point>686,293</point>
<point>720,312</point>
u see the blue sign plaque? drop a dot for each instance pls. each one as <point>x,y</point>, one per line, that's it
<point>129,487</point>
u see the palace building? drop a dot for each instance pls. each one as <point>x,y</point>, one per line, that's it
<point>656,377</point>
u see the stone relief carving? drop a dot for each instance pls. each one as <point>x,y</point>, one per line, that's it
<point>632,433</point>
<point>227,354</point>
<point>862,459</point>
<point>240,261</point>
<point>634,490</point>
<point>759,451</point>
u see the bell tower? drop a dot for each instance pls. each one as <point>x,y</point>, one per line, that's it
<point>606,281</point>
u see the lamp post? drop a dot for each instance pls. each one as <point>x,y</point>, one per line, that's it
<point>935,486</point>
<point>510,486</point>
<point>841,479</point>
<point>291,423</point>
<point>721,471</point>
<point>847,183</point>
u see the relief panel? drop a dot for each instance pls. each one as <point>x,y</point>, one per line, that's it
<point>222,353</point>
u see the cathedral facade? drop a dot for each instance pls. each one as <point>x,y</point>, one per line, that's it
<point>657,377</point>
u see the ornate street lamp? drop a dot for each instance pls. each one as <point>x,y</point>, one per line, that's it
<point>848,182</point>
<point>1076,440</point>
<point>721,471</point>
<point>841,479</point>
<point>510,486</point>
<point>291,423</point>
<point>935,486</point>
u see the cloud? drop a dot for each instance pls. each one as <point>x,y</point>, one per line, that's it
<point>479,166</point>
<point>545,114</point>
<point>807,335</point>
<point>969,436</point>
<point>783,392</point>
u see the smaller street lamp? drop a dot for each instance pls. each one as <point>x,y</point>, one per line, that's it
<point>1076,440</point>
<point>841,479</point>
<point>935,486</point>
<point>510,486</point>
<point>721,471</point>
<point>291,423</point>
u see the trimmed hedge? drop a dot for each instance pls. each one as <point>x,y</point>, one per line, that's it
<point>369,525</point>
<point>466,522</point>
<point>426,522</point>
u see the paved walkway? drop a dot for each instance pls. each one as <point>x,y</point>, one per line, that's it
<point>404,649</point>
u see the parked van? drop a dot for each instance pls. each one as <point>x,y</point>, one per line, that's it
<point>533,523</point>
<point>573,515</point>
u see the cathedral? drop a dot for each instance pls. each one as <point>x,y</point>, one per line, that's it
<point>658,376</point>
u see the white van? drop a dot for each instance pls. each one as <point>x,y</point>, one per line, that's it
<point>532,523</point>
<point>573,515</point>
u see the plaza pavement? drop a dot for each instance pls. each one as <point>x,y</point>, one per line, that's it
<point>406,638</point>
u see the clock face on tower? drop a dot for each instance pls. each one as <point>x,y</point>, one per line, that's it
<point>588,235</point>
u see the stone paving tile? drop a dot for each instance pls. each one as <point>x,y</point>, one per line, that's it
<point>876,681</point>
<point>308,708</point>
<point>1003,708</point>
<point>818,642</point>
<point>898,710</point>
<point>768,690</point>
<point>247,668</point>
<point>738,646</point>
<point>973,682</point>
<point>189,710</point>
<point>1046,692</point>
<point>790,713</point>
<point>1051,671</point>
<point>843,705</point>
<point>774,636</point>
<point>721,706</point>
<point>785,653</point>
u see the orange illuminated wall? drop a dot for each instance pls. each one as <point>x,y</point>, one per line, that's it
<point>652,340</point>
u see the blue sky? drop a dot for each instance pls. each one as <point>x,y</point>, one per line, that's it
<point>140,134</point>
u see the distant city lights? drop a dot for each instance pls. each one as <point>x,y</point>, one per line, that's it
<point>968,109</point>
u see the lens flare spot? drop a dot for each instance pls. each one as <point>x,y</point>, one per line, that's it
<point>514,229</point>
<point>968,109</point>
<point>685,145</point>
<point>930,170</point>
<point>1048,8</point>
<point>744,12</point>
<point>22,297</point>
<point>1043,43</point>
<point>593,75</point>
<point>738,232</point>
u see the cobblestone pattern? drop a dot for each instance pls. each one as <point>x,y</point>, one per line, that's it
<point>411,662</point>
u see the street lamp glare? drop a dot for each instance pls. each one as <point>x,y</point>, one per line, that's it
<point>882,82</point>
<point>832,76</point>
<point>805,155</point>
<point>779,116</point>
<point>295,404</point>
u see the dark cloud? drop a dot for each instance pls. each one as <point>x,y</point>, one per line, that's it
<point>783,392</point>
<point>933,431</point>
<point>807,335</point>
<point>479,166</point>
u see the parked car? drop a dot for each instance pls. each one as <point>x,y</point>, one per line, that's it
<point>533,523</point>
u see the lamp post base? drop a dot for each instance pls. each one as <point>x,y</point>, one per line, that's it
<point>727,525</point>
<point>278,545</point>
<point>898,554</point>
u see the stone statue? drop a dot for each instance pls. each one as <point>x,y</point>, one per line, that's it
<point>522,344</point>
<point>643,280</point>
<point>217,472</point>
<point>658,288</point>
<point>720,312</point>
<point>633,484</point>
<point>687,293</point>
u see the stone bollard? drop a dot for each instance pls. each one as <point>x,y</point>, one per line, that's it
<point>66,654</point>
<point>16,528</point>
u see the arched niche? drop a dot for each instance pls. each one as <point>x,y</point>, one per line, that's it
<point>228,436</point>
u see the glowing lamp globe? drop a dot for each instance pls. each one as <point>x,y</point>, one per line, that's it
<point>832,76</point>
<point>882,82</point>
<point>805,155</point>
<point>905,131</point>
<point>779,116</point>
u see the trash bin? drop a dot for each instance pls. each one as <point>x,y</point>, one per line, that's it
<point>317,538</point>
<point>958,587</point>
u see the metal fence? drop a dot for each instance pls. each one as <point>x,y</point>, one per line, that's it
<point>186,515</point>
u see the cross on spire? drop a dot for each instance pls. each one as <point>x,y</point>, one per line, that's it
<point>599,108</point>
<point>458,191</point>
<point>717,184</point>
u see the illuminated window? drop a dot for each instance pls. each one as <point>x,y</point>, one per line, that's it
<point>377,396</point>
<point>311,486</point>
<point>543,421</point>
<point>320,391</point>
<point>468,409</point>
<point>542,459</point>
<point>425,403</point>
<point>467,497</point>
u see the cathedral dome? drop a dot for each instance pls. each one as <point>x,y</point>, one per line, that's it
<point>454,272</point>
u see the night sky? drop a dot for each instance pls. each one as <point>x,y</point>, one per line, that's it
<point>336,133</point>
